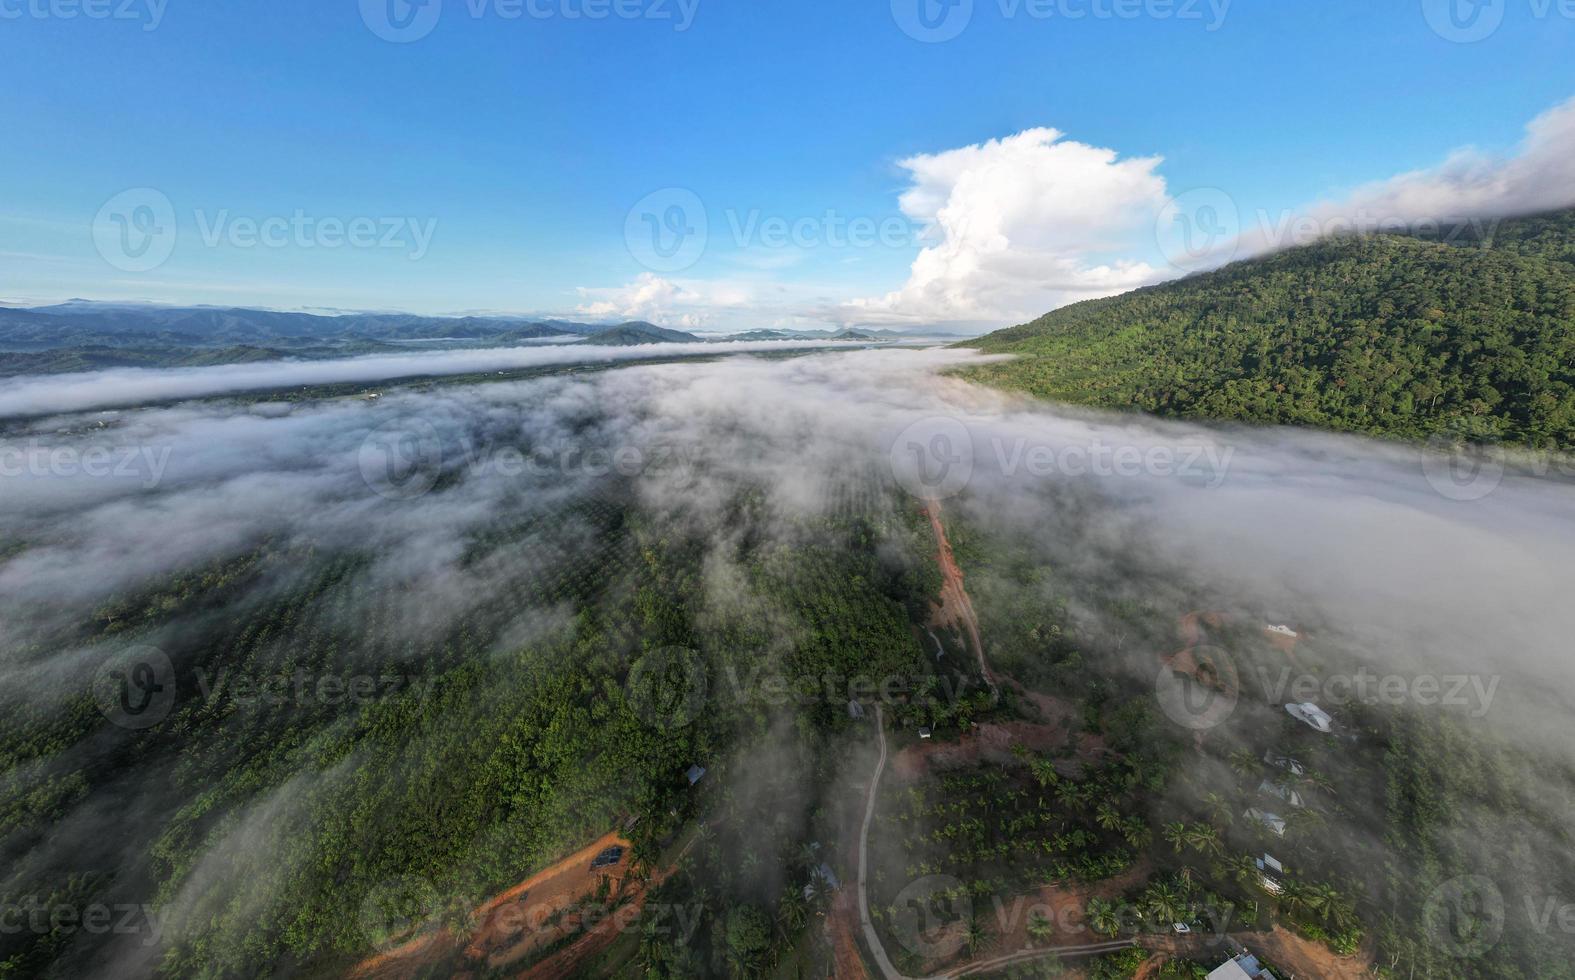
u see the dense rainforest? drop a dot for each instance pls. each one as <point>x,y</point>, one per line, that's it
<point>1470,335</point>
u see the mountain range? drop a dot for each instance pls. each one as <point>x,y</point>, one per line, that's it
<point>81,335</point>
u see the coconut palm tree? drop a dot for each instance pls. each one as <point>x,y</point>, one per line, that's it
<point>1176,834</point>
<point>1220,810</point>
<point>792,910</point>
<point>1164,902</point>
<point>1245,763</point>
<point>1039,927</point>
<point>1137,833</point>
<point>1203,837</point>
<point>1103,917</point>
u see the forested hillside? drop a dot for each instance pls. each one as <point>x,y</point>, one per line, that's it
<point>1386,335</point>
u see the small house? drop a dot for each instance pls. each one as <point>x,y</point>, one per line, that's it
<point>1271,874</point>
<point>1311,715</point>
<point>1285,762</point>
<point>1281,792</point>
<point>1242,966</point>
<point>1272,822</point>
<point>695,774</point>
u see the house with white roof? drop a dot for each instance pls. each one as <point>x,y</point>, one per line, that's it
<point>1311,715</point>
<point>1273,822</point>
<point>1242,966</point>
<point>1281,792</point>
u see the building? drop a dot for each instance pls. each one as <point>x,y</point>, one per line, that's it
<point>608,858</point>
<point>855,710</point>
<point>1272,822</point>
<point>1271,874</point>
<point>1312,716</point>
<point>1285,762</point>
<point>1281,792</point>
<point>925,732</point>
<point>695,774</point>
<point>1242,966</point>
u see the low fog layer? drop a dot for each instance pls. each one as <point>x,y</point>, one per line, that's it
<point>32,396</point>
<point>1358,529</point>
<point>1370,538</point>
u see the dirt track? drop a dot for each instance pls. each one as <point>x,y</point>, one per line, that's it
<point>509,926</point>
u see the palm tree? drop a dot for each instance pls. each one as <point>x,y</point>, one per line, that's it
<point>1163,902</point>
<point>1294,898</point>
<point>1040,927</point>
<point>792,910</point>
<point>976,936</point>
<point>1245,763</point>
<point>1176,834</point>
<point>1137,833</point>
<point>1044,772</point>
<point>1241,868</point>
<point>1203,837</point>
<point>1303,819</point>
<point>1102,917</point>
<point>1220,809</point>
<point>1107,817</point>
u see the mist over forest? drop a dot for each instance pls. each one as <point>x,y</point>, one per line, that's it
<point>506,562</point>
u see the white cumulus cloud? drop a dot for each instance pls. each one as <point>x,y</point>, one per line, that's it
<point>662,301</point>
<point>1020,225</point>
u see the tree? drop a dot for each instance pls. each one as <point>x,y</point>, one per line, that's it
<point>1040,927</point>
<point>1103,917</point>
<point>748,937</point>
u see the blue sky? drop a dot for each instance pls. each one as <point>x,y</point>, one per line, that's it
<point>492,164</point>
